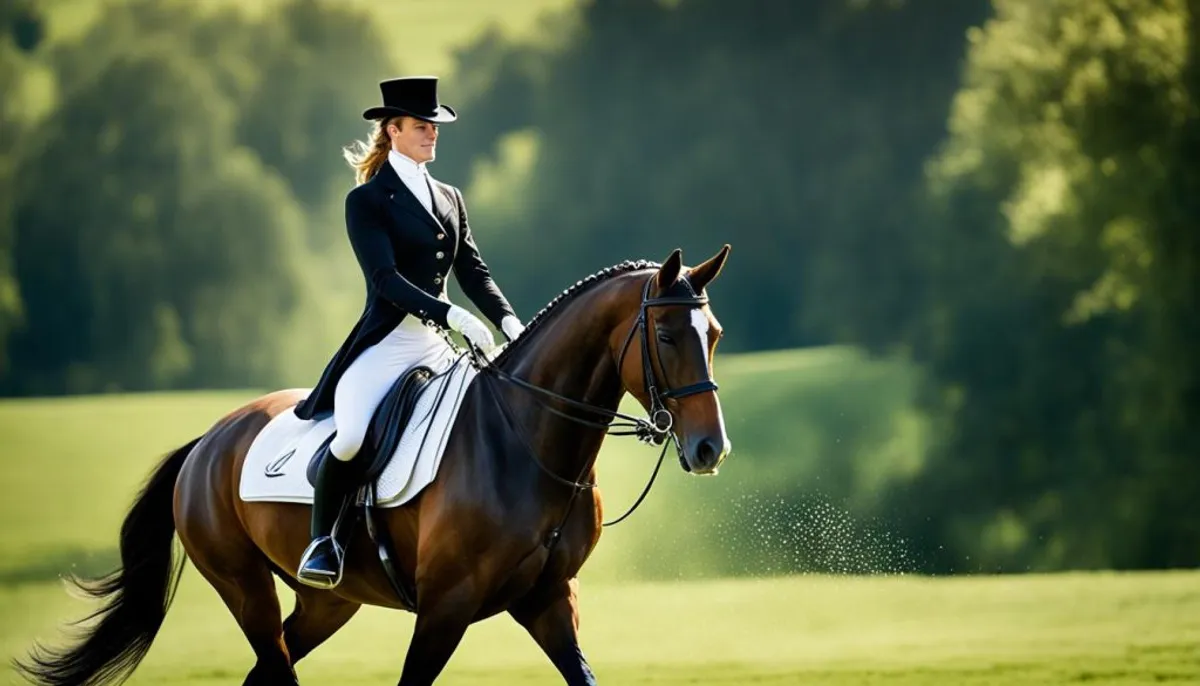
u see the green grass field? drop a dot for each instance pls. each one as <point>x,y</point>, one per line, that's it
<point>656,608</point>
<point>1062,629</point>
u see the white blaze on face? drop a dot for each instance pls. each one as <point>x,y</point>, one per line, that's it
<point>701,325</point>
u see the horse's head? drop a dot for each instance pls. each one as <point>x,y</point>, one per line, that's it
<point>666,359</point>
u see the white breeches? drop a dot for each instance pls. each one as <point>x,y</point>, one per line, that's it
<point>367,380</point>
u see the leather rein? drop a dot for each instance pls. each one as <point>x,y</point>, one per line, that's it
<point>655,429</point>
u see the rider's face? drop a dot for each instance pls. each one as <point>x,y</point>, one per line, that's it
<point>414,138</point>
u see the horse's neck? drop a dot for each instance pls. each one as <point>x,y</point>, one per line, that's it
<point>572,357</point>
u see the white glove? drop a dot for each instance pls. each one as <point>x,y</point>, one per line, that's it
<point>471,328</point>
<point>512,327</point>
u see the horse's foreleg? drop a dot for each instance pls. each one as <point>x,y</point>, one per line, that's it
<point>442,620</point>
<point>552,618</point>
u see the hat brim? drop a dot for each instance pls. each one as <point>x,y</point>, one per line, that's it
<point>443,115</point>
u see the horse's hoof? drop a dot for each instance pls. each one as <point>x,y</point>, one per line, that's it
<point>271,676</point>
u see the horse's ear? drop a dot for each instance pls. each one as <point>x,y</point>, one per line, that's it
<point>703,274</point>
<point>668,274</point>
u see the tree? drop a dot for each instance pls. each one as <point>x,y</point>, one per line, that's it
<point>796,131</point>
<point>318,66</point>
<point>20,33</point>
<point>213,174</point>
<point>1057,331</point>
<point>137,267</point>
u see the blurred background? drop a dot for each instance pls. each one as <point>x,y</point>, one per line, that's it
<point>961,310</point>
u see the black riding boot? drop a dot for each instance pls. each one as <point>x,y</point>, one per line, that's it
<point>321,564</point>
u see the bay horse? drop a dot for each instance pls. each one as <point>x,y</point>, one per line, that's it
<point>505,526</point>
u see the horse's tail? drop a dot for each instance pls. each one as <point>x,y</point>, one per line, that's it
<point>136,595</point>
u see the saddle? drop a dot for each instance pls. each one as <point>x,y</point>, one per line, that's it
<point>383,434</point>
<point>385,430</point>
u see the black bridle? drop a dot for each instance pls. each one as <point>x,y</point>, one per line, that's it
<point>657,429</point>
<point>642,324</point>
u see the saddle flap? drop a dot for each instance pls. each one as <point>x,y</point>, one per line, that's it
<point>386,427</point>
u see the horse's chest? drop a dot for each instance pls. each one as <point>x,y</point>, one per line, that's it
<point>549,565</point>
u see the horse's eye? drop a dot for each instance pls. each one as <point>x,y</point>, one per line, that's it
<point>664,338</point>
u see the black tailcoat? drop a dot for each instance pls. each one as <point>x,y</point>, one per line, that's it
<point>406,257</point>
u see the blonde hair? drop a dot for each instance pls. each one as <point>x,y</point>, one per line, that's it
<point>367,158</point>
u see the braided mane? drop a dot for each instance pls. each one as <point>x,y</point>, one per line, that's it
<point>569,295</point>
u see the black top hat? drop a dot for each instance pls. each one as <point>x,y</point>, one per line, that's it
<point>415,96</point>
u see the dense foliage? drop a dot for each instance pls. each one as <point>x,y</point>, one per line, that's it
<point>1004,193</point>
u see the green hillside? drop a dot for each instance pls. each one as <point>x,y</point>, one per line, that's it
<point>815,425</point>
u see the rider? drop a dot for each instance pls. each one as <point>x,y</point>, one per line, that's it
<point>408,232</point>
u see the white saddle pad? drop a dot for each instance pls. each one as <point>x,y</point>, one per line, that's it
<point>276,465</point>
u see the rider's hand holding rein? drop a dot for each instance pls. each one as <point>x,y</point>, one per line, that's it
<point>512,327</point>
<point>472,328</point>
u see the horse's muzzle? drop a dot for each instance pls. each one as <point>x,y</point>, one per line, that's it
<point>705,454</point>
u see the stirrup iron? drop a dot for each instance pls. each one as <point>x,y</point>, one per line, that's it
<point>319,578</point>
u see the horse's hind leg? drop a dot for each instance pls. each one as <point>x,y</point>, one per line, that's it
<point>249,592</point>
<point>317,615</point>
<point>223,553</point>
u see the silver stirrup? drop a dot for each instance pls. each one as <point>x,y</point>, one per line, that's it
<point>316,579</point>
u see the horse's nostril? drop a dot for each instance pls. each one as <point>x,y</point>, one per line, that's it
<point>706,452</point>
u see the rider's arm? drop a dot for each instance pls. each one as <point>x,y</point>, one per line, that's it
<point>473,274</point>
<point>368,237</point>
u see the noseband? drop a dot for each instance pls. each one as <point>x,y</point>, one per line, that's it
<point>656,429</point>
